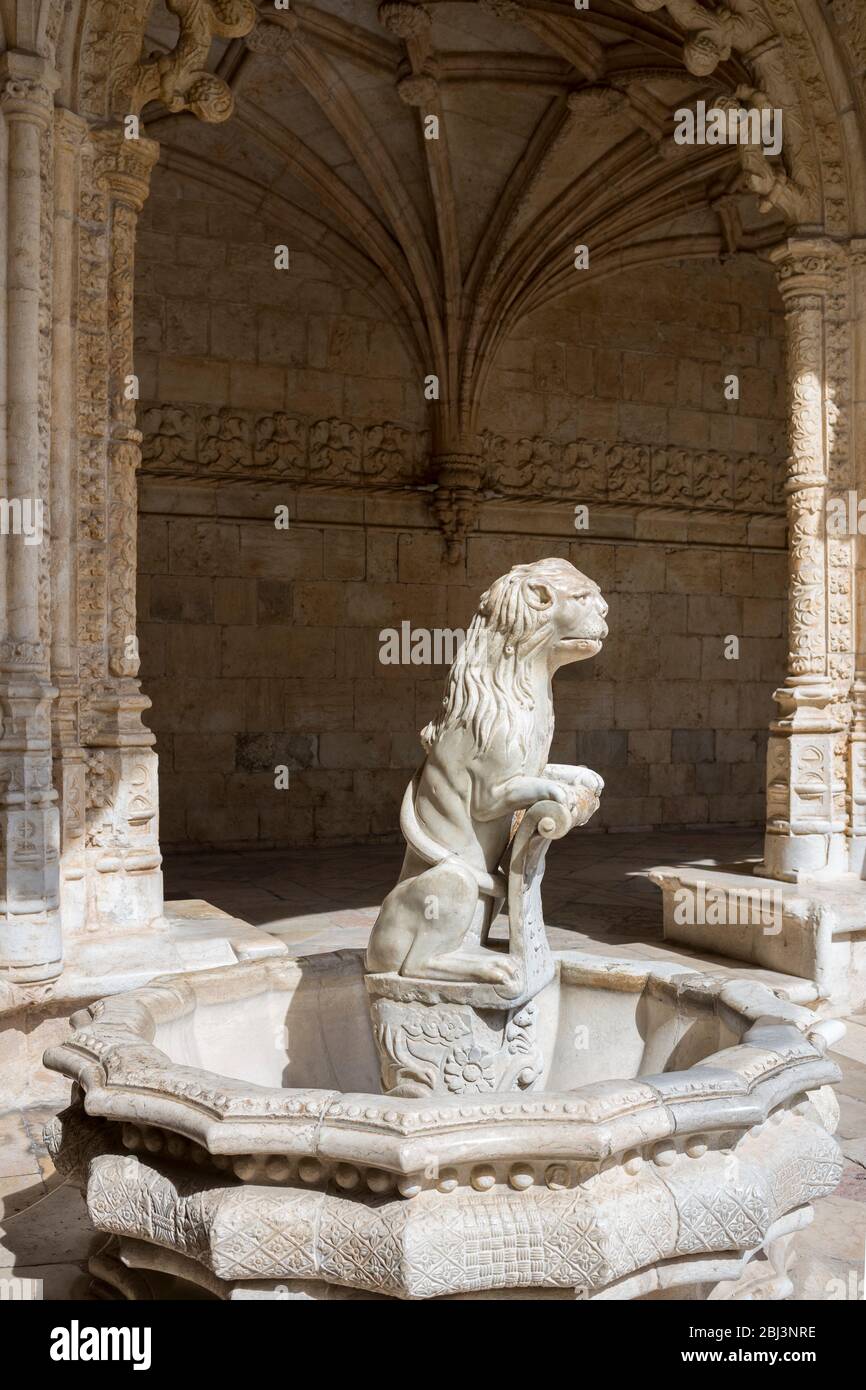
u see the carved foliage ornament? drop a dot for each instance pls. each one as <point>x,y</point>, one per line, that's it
<point>180,79</point>
<point>407,21</point>
<point>713,35</point>
<point>193,441</point>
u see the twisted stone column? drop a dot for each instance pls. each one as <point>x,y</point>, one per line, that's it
<point>806,816</point>
<point>30,935</point>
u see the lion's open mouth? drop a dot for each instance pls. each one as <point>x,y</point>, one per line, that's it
<point>592,644</point>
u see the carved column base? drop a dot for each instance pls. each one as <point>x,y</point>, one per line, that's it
<point>31,949</point>
<point>70,784</point>
<point>806,818</point>
<point>31,945</point>
<point>123,861</point>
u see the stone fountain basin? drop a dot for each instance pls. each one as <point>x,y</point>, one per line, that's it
<point>234,1119</point>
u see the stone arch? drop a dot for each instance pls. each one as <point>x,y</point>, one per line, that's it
<point>79,777</point>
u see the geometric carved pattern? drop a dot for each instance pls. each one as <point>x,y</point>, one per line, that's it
<point>269,1231</point>
<point>438,1244</point>
<point>730,1218</point>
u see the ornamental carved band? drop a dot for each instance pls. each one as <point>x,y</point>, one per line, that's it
<point>180,79</point>
<point>804,270</point>
<point>197,442</point>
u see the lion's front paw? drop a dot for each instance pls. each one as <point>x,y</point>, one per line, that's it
<point>590,780</point>
<point>546,789</point>
<point>506,972</point>
<point>500,970</point>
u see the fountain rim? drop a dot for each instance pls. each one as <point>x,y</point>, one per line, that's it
<point>124,1078</point>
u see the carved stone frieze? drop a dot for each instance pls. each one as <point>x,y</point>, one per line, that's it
<point>197,442</point>
<point>110,45</point>
<point>850,17</point>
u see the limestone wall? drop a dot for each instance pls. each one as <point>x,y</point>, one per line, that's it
<point>260,648</point>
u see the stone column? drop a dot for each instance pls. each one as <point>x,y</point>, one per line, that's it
<point>30,934</point>
<point>122,855</point>
<point>70,133</point>
<point>857,741</point>
<point>806,814</point>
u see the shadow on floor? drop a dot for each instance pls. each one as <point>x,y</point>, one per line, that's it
<point>595,888</point>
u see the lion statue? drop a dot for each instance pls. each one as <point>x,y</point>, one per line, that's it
<point>486,764</point>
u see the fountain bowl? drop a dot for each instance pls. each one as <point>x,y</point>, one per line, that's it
<point>229,1130</point>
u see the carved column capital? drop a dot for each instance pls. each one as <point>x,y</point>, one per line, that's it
<point>804,269</point>
<point>27,87</point>
<point>856,249</point>
<point>123,167</point>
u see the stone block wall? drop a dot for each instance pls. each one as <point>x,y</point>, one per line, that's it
<point>260,647</point>
<point>642,357</point>
<point>217,326</point>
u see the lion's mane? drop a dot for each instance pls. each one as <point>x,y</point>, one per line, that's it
<point>490,683</point>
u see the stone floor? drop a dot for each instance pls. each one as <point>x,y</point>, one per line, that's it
<point>597,897</point>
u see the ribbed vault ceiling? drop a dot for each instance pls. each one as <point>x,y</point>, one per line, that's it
<point>555,128</point>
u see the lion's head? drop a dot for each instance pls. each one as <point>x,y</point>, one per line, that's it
<point>546,612</point>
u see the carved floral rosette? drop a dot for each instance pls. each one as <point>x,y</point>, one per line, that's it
<point>428,1049</point>
<point>611,1189</point>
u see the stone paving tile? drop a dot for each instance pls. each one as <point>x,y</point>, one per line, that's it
<point>52,1228</point>
<point>852,1119</point>
<point>853,1078</point>
<point>853,1045</point>
<point>66,1280</point>
<point>19,1192</point>
<point>17,1154</point>
<point>853,1184</point>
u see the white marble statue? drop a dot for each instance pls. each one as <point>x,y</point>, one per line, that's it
<point>486,760</point>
